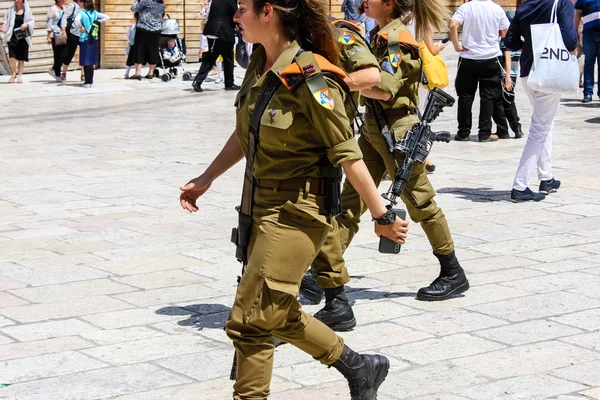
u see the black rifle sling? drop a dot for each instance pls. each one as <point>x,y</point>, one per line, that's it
<point>272,83</point>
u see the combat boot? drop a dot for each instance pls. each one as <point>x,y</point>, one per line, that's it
<point>310,289</point>
<point>364,372</point>
<point>337,313</point>
<point>451,281</point>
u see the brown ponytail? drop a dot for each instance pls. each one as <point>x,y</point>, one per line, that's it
<point>306,21</point>
<point>429,16</point>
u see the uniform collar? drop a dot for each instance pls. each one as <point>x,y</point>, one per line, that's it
<point>285,59</point>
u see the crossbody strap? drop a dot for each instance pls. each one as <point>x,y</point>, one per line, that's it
<point>271,85</point>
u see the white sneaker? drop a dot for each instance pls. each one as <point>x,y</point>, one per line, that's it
<point>57,79</point>
<point>52,73</point>
<point>87,85</point>
<point>219,80</point>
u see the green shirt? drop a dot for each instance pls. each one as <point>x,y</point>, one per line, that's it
<point>295,131</point>
<point>402,82</point>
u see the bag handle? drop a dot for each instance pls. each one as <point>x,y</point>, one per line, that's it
<point>553,16</point>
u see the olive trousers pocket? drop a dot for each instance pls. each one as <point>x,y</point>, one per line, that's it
<point>286,246</point>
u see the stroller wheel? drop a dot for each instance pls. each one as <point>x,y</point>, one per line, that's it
<point>156,73</point>
<point>174,71</point>
<point>186,76</point>
<point>165,77</point>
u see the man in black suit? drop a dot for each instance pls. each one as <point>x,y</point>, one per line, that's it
<point>220,32</point>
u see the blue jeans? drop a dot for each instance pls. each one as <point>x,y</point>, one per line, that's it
<point>591,50</point>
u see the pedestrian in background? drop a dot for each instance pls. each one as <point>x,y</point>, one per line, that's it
<point>71,33</point>
<point>55,37</point>
<point>483,24</point>
<point>220,33</point>
<point>88,21</point>
<point>147,35</point>
<point>18,28</point>
<point>588,11</point>
<point>537,153</point>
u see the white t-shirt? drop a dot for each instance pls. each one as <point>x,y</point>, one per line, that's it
<point>481,20</point>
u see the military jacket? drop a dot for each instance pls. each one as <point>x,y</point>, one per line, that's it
<point>400,71</point>
<point>354,55</point>
<point>297,129</point>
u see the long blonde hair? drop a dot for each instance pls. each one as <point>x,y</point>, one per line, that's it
<point>427,15</point>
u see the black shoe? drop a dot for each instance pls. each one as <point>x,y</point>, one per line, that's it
<point>491,138</point>
<point>518,196</point>
<point>232,87</point>
<point>519,133</point>
<point>309,288</point>
<point>549,186</point>
<point>197,87</point>
<point>587,99</point>
<point>364,372</point>
<point>337,313</point>
<point>460,138</point>
<point>452,280</point>
<point>503,136</point>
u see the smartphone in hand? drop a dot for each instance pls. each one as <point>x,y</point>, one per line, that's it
<point>446,40</point>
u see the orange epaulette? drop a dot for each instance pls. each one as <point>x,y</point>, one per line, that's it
<point>310,67</point>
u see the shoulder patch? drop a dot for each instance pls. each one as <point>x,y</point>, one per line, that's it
<point>347,37</point>
<point>324,98</point>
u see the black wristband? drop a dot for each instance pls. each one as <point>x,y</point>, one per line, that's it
<point>387,219</point>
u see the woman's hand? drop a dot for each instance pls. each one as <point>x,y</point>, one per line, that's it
<point>64,34</point>
<point>49,39</point>
<point>441,46</point>
<point>24,26</point>
<point>508,83</point>
<point>4,29</point>
<point>191,191</point>
<point>398,231</point>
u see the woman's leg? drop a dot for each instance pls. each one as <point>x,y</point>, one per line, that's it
<point>20,70</point>
<point>538,148</point>
<point>89,74</point>
<point>13,69</point>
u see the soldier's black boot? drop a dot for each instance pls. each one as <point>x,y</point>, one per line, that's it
<point>364,372</point>
<point>337,313</point>
<point>310,289</point>
<point>452,280</point>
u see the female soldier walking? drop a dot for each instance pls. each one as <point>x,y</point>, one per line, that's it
<point>305,124</point>
<point>397,98</point>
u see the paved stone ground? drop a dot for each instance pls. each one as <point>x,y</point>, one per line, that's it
<point>109,290</point>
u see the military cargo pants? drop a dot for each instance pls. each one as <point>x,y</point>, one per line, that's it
<point>287,233</point>
<point>417,196</point>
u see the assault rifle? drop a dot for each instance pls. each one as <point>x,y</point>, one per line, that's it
<point>415,147</point>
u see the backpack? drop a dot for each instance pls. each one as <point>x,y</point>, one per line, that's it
<point>94,30</point>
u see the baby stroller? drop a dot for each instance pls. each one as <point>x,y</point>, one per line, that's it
<point>168,69</point>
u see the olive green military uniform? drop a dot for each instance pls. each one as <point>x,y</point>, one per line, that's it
<point>329,266</point>
<point>289,226</point>
<point>402,82</point>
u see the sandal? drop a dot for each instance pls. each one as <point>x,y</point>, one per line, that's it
<point>12,79</point>
<point>63,78</point>
<point>149,76</point>
<point>19,80</point>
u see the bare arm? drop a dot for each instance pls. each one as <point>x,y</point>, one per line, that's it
<point>454,24</point>
<point>363,79</point>
<point>433,48</point>
<point>502,32</point>
<point>358,174</point>
<point>230,154</point>
<point>577,20</point>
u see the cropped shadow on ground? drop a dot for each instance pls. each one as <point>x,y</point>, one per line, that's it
<point>211,316</point>
<point>478,195</point>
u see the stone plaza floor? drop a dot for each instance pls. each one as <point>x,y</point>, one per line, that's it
<point>109,290</point>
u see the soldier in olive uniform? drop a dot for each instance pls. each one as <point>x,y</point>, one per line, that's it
<point>299,129</point>
<point>398,95</point>
<point>328,269</point>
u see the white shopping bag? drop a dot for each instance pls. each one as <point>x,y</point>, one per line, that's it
<point>555,69</point>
